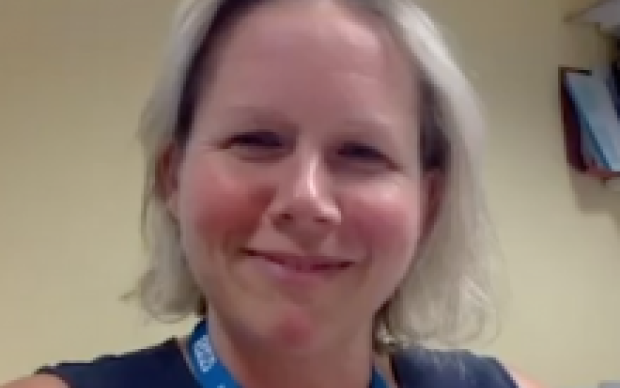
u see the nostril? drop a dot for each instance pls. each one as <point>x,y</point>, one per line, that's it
<point>248,252</point>
<point>286,217</point>
<point>304,220</point>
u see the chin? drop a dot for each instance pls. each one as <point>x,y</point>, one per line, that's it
<point>292,330</point>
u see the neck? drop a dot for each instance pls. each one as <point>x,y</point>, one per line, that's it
<point>348,365</point>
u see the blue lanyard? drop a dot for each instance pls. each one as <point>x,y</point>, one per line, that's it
<point>211,373</point>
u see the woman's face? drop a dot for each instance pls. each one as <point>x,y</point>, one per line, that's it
<point>299,195</point>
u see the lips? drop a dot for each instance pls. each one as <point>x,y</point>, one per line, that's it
<point>306,264</point>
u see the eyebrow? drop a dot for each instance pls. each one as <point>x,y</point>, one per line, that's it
<point>362,123</point>
<point>370,124</point>
<point>258,114</point>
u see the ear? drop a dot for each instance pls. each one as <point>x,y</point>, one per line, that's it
<point>167,177</point>
<point>433,184</point>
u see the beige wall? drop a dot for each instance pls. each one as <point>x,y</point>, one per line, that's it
<point>72,77</point>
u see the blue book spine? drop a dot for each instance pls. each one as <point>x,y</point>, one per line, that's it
<point>594,105</point>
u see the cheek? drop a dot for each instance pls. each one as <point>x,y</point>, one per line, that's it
<point>390,221</point>
<point>214,207</point>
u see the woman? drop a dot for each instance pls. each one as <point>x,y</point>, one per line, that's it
<point>312,193</point>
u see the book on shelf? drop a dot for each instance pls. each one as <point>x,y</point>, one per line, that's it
<point>598,117</point>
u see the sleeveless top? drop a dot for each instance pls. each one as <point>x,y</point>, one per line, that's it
<point>164,366</point>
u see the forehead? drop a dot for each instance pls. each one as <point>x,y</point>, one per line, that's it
<point>308,38</point>
<point>299,28</point>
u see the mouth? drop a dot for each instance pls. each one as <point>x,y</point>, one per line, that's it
<point>301,264</point>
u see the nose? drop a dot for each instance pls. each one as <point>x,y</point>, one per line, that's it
<point>303,206</point>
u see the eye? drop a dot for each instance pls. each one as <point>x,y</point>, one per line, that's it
<point>256,144</point>
<point>364,154</point>
<point>258,139</point>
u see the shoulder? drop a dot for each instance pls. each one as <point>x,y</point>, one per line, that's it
<point>158,366</point>
<point>420,367</point>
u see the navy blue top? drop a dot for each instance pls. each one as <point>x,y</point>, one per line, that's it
<point>164,366</point>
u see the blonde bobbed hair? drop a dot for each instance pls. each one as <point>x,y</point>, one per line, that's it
<point>445,297</point>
